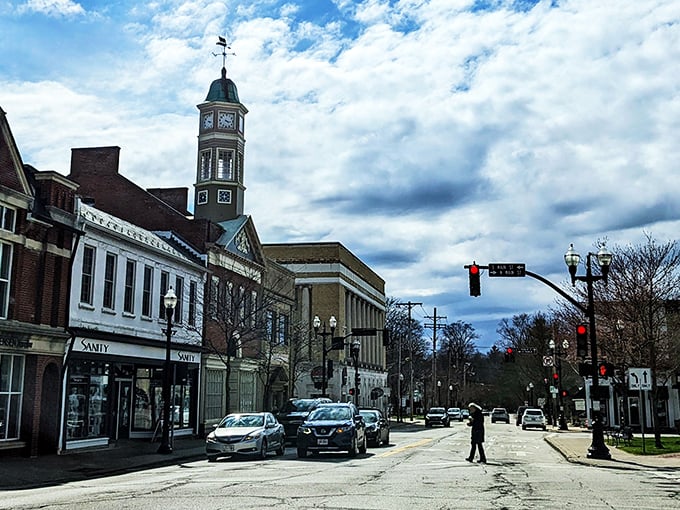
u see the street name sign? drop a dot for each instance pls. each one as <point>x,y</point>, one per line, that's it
<point>639,378</point>
<point>507,270</point>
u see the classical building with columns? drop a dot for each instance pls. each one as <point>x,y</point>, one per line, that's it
<point>331,281</point>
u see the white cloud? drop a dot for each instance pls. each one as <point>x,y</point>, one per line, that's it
<point>54,8</point>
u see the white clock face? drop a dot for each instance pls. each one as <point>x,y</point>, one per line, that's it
<point>225,120</point>
<point>208,121</point>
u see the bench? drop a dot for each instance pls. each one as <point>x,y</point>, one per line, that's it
<point>618,434</point>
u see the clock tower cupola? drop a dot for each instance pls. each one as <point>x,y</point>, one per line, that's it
<point>219,190</point>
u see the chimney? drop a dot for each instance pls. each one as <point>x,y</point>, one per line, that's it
<point>92,161</point>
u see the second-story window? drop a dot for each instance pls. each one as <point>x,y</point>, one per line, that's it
<point>5,277</point>
<point>282,329</point>
<point>110,281</point>
<point>165,277</point>
<point>147,291</point>
<point>193,290</point>
<point>179,291</point>
<point>130,272</point>
<point>87,275</point>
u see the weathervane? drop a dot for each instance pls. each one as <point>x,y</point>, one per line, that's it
<point>223,42</point>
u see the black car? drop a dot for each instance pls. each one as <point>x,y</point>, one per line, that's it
<point>437,416</point>
<point>294,412</point>
<point>377,426</point>
<point>520,412</point>
<point>332,427</point>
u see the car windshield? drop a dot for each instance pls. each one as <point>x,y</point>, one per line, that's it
<point>299,405</point>
<point>369,416</point>
<point>437,410</point>
<point>454,410</point>
<point>330,413</point>
<point>499,411</point>
<point>242,420</point>
<point>533,412</point>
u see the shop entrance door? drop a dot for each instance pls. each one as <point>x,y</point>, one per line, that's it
<point>123,408</point>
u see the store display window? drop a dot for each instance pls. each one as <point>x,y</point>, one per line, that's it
<point>87,401</point>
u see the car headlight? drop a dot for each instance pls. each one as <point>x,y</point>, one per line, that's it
<point>252,435</point>
<point>211,438</point>
<point>371,427</point>
<point>305,430</point>
<point>340,430</point>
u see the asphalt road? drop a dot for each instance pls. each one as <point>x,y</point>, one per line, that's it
<point>421,469</point>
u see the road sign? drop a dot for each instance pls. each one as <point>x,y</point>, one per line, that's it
<point>639,378</point>
<point>507,269</point>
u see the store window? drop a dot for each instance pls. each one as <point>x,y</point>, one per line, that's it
<point>87,401</point>
<point>11,388</point>
<point>148,398</point>
<point>214,391</point>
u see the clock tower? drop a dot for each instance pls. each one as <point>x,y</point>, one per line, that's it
<point>219,190</point>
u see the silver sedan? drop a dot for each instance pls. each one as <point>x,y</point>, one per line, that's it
<point>251,434</point>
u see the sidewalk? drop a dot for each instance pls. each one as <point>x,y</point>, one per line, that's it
<point>573,445</point>
<point>135,455</point>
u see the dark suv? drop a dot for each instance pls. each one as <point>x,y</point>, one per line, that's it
<point>332,427</point>
<point>294,412</point>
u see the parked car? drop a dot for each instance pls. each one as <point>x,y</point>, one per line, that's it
<point>454,414</point>
<point>465,414</point>
<point>533,418</point>
<point>520,413</point>
<point>500,414</point>
<point>332,427</point>
<point>294,412</point>
<point>252,434</point>
<point>377,426</point>
<point>437,416</point>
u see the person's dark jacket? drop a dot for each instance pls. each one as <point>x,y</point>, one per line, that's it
<point>477,424</point>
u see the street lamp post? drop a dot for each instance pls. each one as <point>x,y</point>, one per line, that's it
<point>354,351</point>
<point>170,301</point>
<point>558,362</point>
<point>530,391</point>
<point>317,323</point>
<point>597,449</point>
<point>439,393</point>
<point>450,392</point>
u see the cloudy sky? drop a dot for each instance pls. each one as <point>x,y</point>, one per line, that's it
<point>421,134</point>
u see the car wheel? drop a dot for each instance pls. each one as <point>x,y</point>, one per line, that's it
<point>387,440</point>
<point>524,427</point>
<point>301,453</point>
<point>212,458</point>
<point>352,452</point>
<point>362,448</point>
<point>281,449</point>
<point>448,423</point>
<point>263,450</point>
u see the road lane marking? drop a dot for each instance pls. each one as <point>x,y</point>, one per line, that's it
<point>404,448</point>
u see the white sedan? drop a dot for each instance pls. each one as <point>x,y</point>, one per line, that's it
<point>251,434</point>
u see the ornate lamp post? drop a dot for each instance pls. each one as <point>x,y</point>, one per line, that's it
<point>354,351</point>
<point>317,324</point>
<point>450,392</point>
<point>597,449</point>
<point>558,362</point>
<point>170,301</point>
<point>439,393</point>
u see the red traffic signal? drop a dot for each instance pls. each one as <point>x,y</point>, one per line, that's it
<point>605,369</point>
<point>582,341</point>
<point>556,376</point>
<point>473,276</point>
<point>509,354</point>
<point>351,391</point>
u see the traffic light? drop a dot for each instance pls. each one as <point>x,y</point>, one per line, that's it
<point>475,287</point>
<point>357,379</point>
<point>582,341</point>
<point>605,369</point>
<point>565,393</point>
<point>329,369</point>
<point>555,377</point>
<point>351,391</point>
<point>510,354</point>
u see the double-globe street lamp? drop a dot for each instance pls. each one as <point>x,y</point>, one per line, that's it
<point>323,333</point>
<point>169,301</point>
<point>558,362</point>
<point>597,449</point>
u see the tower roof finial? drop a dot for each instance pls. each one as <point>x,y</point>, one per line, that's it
<point>221,41</point>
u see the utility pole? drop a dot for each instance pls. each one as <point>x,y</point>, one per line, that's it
<point>434,346</point>
<point>410,305</point>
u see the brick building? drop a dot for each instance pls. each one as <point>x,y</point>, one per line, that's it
<point>38,230</point>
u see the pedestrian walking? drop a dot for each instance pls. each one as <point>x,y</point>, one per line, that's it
<point>476,422</point>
